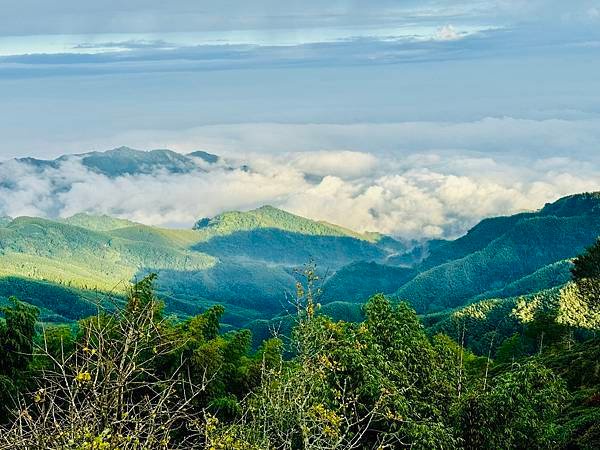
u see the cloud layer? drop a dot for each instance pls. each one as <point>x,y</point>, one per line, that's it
<point>421,195</point>
<point>413,118</point>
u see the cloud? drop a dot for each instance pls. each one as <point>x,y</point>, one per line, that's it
<point>422,195</point>
<point>447,33</point>
<point>343,164</point>
<point>146,16</point>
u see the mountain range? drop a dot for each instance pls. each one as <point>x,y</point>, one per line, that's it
<point>128,161</point>
<point>248,260</point>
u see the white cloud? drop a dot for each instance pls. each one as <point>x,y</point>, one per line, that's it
<point>426,194</point>
<point>345,164</point>
<point>447,33</point>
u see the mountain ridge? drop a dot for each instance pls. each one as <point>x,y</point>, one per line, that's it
<point>247,260</point>
<point>124,160</point>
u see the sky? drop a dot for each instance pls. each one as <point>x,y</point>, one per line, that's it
<point>420,117</point>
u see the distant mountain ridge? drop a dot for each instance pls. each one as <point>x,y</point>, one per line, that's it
<point>128,161</point>
<point>501,256</point>
<point>499,252</point>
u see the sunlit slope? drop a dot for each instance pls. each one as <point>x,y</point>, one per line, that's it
<point>268,217</point>
<point>81,257</point>
<point>245,260</point>
<point>521,251</point>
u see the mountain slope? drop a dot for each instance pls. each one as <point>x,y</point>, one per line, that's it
<point>245,260</point>
<point>525,244</point>
<point>98,223</point>
<point>358,281</point>
<point>270,217</point>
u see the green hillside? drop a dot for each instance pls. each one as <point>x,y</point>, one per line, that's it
<point>488,323</point>
<point>358,281</point>
<point>58,252</point>
<point>98,223</point>
<point>270,217</point>
<point>244,260</point>
<point>247,260</point>
<point>477,238</point>
<point>549,276</point>
<point>524,245</point>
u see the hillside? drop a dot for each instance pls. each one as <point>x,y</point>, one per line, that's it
<point>245,260</point>
<point>485,325</point>
<point>358,281</point>
<point>270,217</point>
<point>98,223</point>
<point>498,253</point>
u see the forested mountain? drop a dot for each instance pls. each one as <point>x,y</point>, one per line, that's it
<point>266,350</point>
<point>247,260</point>
<point>243,259</point>
<point>505,253</point>
<point>513,373</point>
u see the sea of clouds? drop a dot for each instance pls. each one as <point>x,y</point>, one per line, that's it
<point>420,193</point>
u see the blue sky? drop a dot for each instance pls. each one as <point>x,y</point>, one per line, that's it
<point>78,75</point>
<point>516,82</point>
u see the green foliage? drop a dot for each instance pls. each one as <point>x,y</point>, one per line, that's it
<point>503,252</point>
<point>98,223</point>
<point>378,381</point>
<point>544,319</point>
<point>516,410</point>
<point>511,349</point>
<point>16,336</point>
<point>356,282</point>
<point>272,218</point>
<point>586,274</point>
<point>552,275</point>
<point>58,303</point>
<point>243,260</point>
<point>16,350</point>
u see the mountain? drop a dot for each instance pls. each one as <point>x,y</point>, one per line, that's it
<point>272,235</point>
<point>98,223</point>
<point>269,217</point>
<point>360,280</point>
<point>501,252</point>
<point>474,324</point>
<point>248,261</point>
<point>245,260</point>
<point>127,161</point>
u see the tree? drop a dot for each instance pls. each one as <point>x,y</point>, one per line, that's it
<point>518,411</point>
<point>16,337</point>
<point>16,349</point>
<point>375,384</point>
<point>106,393</point>
<point>586,274</point>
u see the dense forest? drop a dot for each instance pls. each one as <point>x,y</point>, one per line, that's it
<point>246,261</point>
<point>513,373</point>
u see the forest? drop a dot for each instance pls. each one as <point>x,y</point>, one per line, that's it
<point>131,376</point>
